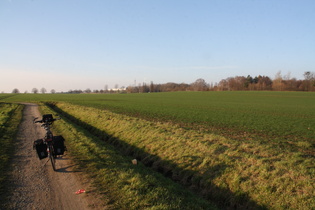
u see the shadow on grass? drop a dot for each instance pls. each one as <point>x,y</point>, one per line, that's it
<point>199,184</point>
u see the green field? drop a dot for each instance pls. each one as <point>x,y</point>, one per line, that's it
<point>284,116</point>
<point>244,149</point>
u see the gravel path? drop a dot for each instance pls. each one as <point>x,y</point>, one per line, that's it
<point>34,185</point>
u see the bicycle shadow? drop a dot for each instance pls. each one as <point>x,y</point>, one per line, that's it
<point>68,169</point>
<point>65,167</point>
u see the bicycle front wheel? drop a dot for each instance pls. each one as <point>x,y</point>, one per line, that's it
<point>52,157</point>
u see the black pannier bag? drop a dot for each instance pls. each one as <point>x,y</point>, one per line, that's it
<point>41,148</point>
<point>47,117</point>
<point>59,145</point>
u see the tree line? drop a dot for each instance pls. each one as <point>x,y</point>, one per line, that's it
<point>237,83</point>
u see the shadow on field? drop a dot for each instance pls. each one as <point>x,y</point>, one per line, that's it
<point>201,184</point>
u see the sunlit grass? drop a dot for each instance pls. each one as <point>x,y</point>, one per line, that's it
<point>232,171</point>
<point>10,116</point>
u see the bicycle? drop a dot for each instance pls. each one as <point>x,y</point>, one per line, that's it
<point>50,146</point>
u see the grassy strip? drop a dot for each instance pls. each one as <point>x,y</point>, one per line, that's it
<point>125,186</point>
<point>231,173</point>
<point>10,117</point>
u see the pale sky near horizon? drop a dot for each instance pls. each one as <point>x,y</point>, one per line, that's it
<point>79,44</point>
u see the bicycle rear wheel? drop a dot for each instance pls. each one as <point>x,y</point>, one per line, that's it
<point>52,157</point>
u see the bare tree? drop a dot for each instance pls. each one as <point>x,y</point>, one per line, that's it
<point>223,85</point>
<point>88,90</point>
<point>309,80</point>
<point>15,90</point>
<point>277,82</point>
<point>199,85</point>
<point>34,90</point>
<point>152,87</point>
<point>237,82</point>
<point>43,90</point>
<point>52,91</point>
<point>309,75</point>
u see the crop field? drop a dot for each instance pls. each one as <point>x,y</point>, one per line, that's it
<point>283,116</point>
<point>235,149</point>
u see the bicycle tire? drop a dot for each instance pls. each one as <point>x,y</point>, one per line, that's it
<point>51,157</point>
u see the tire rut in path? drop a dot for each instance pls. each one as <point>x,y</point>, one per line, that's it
<point>32,182</point>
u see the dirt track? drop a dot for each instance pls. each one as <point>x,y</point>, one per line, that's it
<point>33,183</point>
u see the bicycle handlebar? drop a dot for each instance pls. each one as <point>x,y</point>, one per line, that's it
<point>46,121</point>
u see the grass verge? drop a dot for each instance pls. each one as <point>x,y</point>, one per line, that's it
<point>10,117</point>
<point>123,184</point>
<point>230,173</point>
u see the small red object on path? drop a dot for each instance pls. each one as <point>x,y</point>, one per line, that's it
<point>80,191</point>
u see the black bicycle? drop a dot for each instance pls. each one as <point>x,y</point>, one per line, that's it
<point>49,146</point>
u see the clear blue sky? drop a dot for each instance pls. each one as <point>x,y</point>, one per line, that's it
<point>80,44</point>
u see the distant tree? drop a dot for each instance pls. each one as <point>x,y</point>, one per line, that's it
<point>288,76</point>
<point>309,75</point>
<point>15,90</point>
<point>43,90</point>
<point>143,88</point>
<point>264,82</point>
<point>237,83</point>
<point>199,85</point>
<point>260,83</point>
<point>34,90</point>
<point>223,85</point>
<point>53,91</point>
<point>309,82</point>
<point>129,89</point>
<point>249,80</point>
<point>277,82</point>
<point>182,87</point>
<point>170,86</point>
<point>75,91</point>
<point>88,90</point>
<point>244,83</point>
<point>152,87</point>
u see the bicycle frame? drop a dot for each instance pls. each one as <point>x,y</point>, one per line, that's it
<point>48,140</point>
<point>51,155</point>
